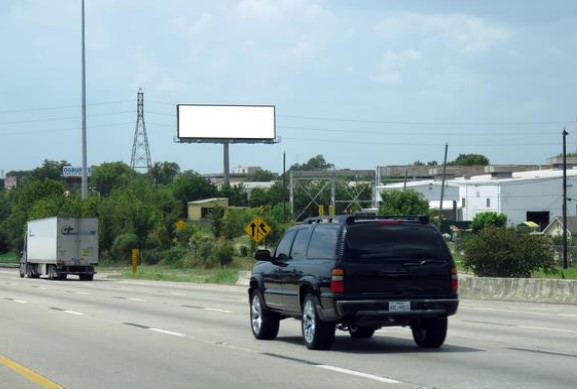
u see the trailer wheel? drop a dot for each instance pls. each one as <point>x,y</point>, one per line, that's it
<point>52,273</point>
<point>31,271</point>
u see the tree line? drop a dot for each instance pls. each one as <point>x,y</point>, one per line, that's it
<point>146,209</point>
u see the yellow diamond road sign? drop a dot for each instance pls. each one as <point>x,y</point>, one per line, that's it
<point>257,229</point>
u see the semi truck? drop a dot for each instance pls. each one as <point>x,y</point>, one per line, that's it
<point>58,246</point>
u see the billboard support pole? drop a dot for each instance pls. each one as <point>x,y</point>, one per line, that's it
<point>226,164</point>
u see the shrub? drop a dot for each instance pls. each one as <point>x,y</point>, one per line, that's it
<point>151,257</point>
<point>504,252</point>
<point>224,254</point>
<point>244,251</point>
<point>183,235</point>
<point>122,247</point>
<point>174,256</point>
<point>485,219</point>
<point>205,253</point>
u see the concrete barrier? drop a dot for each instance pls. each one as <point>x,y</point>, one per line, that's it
<point>504,289</point>
<point>518,289</point>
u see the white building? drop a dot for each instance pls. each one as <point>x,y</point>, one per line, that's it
<point>523,196</point>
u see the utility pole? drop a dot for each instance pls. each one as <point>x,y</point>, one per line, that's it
<point>565,133</point>
<point>84,185</point>
<point>283,187</point>
<point>443,185</point>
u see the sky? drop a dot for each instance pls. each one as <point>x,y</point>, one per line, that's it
<point>364,83</point>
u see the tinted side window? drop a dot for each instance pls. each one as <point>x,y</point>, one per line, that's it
<point>300,244</point>
<point>324,242</point>
<point>283,248</point>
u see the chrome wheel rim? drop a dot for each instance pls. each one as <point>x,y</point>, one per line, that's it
<point>256,314</point>
<point>309,321</point>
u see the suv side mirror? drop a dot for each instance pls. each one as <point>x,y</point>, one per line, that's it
<point>262,255</point>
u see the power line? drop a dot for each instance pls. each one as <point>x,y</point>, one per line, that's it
<point>430,123</point>
<point>382,132</point>
<point>59,107</point>
<point>65,118</point>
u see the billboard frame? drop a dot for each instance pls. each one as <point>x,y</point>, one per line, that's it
<point>225,139</point>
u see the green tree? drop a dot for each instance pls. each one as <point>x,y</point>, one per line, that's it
<point>110,176</point>
<point>315,163</point>
<point>407,202</point>
<point>23,200</point>
<point>504,252</point>
<point>262,176</point>
<point>216,217</point>
<point>236,195</point>
<point>163,173</point>
<point>191,186</point>
<point>484,219</point>
<point>470,160</point>
<point>51,170</point>
<point>258,197</point>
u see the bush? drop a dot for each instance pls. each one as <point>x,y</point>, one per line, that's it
<point>224,254</point>
<point>151,257</point>
<point>174,256</point>
<point>485,219</point>
<point>504,252</point>
<point>121,251</point>
<point>183,235</point>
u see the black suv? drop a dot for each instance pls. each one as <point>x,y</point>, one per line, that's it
<point>358,274</point>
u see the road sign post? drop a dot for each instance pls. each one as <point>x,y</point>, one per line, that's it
<point>134,260</point>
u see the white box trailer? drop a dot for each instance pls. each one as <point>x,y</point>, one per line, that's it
<point>58,246</point>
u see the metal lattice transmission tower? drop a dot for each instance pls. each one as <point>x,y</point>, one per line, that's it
<point>140,149</point>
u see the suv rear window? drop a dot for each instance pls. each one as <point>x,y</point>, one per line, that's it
<point>395,241</point>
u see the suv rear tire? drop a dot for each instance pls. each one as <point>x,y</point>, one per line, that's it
<point>264,324</point>
<point>430,333</point>
<point>318,335</point>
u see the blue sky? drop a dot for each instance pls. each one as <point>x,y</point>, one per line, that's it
<point>365,83</point>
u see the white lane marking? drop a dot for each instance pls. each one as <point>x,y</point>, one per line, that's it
<point>166,332</point>
<point>217,310</point>
<point>359,374</point>
<point>137,300</point>
<point>517,311</point>
<point>18,301</point>
<point>547,329</point>
<point>83,293</point>
<point>74,313</point>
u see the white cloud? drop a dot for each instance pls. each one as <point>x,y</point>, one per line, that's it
<point>459,32</point>
<point>303,48</point>
<point>195,26</point>
<point>393,64</point>
<point>277,10</point>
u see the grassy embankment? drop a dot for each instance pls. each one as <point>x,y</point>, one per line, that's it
<point>229,275</point>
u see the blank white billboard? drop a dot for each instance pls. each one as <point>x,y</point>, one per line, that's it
<point>200,122</point>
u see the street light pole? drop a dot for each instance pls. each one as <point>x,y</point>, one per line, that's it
<point>565,199</point>
<point>84,185</point>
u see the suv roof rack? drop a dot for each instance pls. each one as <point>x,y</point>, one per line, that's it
<point>351,219</point>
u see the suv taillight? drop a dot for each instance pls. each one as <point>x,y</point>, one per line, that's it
<point>337,281</point>
<point>454,280</point>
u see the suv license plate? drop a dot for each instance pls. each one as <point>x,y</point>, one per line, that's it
<point>399,306</point>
